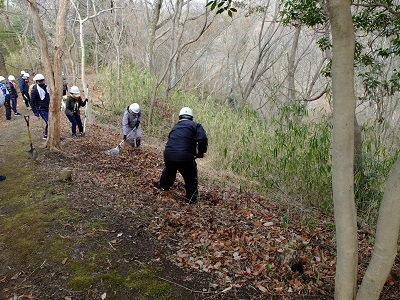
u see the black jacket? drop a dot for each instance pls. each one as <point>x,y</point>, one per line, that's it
<point>11,89</point>
<point>36,102</point>
<point>183,140</point>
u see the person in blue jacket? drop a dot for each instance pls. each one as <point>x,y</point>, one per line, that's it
<point>6,93</point>
<point>186,142</point>
<point>40,101</point>
<point>24,88</point>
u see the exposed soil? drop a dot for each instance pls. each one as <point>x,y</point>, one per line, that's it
<point>108,233</point>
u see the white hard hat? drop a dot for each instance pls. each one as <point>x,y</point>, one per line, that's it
<point>22,72</point>
<point>10,77</point>
<point>38,77</point>
<point>2,78</point>
<point>75,90</point>
<point>186,113</point>
<point>134,108</point>
<point>26,75</point>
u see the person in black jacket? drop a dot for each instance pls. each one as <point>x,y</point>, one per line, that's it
<point>72,105</point>
<point>40,101</point>
<point>12,89</point>
<point>186,142</point>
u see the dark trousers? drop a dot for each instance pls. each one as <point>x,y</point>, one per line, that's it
<point>75,120</point>
<point>188,170</point>
<point>7,105</point>
<point>14,105</point>
<point>27,99</point>
<point>44,114</point>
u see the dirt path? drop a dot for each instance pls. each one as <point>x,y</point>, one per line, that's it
<point>67,239</point>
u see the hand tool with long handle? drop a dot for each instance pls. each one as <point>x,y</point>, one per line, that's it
<point>116,149</point>
<point>32,152</point>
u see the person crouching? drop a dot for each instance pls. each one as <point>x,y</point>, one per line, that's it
<point>72,105</point>
<point>130,124</point>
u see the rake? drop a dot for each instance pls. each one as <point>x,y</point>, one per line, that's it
<point>116,149</point>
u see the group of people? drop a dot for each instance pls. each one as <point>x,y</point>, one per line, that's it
<point>187,140</point>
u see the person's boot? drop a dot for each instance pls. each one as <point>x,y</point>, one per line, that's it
<point>2,178</point>
<point>138,143</point>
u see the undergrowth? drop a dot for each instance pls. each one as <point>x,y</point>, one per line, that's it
<point>288,154</point>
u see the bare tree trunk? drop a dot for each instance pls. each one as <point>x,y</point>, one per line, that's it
<point>53,142</point>
<point>344,103</point>
<point>152,35</point>
<point>3,68</point>
<point>291,66</point>
<point>387,234</point>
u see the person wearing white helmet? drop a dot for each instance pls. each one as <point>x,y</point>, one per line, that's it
<point>24,88</point>
<point>72,105</point>
<point>6,95</point>
<point>12,89</point>
<point>186,141</point>
<point>40,101</point>
<point>131,124</point>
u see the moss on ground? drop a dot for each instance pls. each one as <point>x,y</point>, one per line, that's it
<point>34,206</point>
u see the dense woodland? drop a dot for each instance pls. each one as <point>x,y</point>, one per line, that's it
<point>300,98</point>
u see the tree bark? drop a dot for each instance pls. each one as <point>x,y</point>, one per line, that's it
<point>53,142</point>
<point>56,83</point>
<point>344,104</point>
<point>387,234</point>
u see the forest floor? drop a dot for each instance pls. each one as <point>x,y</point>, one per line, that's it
<point>108,233</point>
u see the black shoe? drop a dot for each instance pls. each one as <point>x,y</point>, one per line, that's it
<point>74,136</point>
<point>138,143</point>
<point>2,178</point>
<point>17,114</point>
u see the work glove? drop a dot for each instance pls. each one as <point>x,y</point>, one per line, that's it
<point>124,137</point>
<point>137,124</point>
<point>86,100</point>
<point>36,114</point>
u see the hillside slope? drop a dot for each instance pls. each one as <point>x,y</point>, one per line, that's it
<point>110,234</point>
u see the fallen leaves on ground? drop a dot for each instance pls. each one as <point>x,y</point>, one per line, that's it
<point>241,239</point>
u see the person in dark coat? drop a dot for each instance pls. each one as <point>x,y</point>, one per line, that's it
<point>24,88</point>
<point>186,142</point>
<point>12,89</point>
<point>40,101</point>
<point>72,105</point>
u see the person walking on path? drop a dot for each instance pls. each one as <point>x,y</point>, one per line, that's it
<point>40,101</point>
<point>6,94</point>
<point>12,89</point>
<point>186,142</point>
<point>24,88</point>
<point>72,105</point>
<point>130,121</point>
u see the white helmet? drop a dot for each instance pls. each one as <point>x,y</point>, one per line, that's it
<point>134,108</point>
<point>38,77</point>
<point>26,75</point>
<point>186,113</point>
<point>2,79</point>
<point>10,77</point>
<point>22,72</point>
<point>75,90</point>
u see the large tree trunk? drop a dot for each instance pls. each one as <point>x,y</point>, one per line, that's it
<point>344,103</point>
<point>53,142</point>
<point>54,118</point>
<point>387,234</point>
<point>3,69</point>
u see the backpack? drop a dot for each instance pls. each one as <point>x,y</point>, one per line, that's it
<point>2,99</point>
